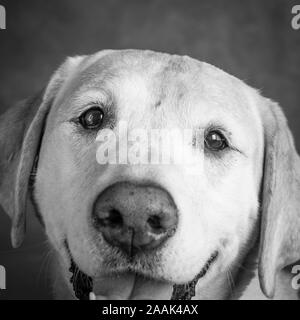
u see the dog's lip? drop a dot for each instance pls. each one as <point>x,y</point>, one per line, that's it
<point>141,287</point>
<point>177,291</point>
<point>187,291</point>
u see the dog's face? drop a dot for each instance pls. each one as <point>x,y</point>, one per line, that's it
<point>139,228</point>
<point>216,201</point>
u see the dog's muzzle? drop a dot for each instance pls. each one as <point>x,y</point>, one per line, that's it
<point>135,219</point>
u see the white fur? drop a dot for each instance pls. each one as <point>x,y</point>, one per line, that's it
<point>218,201</point>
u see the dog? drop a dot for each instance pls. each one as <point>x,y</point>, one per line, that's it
<point>210,227</point>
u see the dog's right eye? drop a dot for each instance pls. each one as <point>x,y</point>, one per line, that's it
<point>215,141</point>
<point>92,118</point>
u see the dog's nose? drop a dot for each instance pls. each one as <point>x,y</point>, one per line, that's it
<point>135,217</point>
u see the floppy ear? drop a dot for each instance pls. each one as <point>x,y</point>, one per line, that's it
<point>280,224</point>
<point>21,130</point>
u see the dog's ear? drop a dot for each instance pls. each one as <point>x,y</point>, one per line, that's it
<point>280,220</point>
<point>21,130</point>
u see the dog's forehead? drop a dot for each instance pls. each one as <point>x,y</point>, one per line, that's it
<point>156,71</point>
<point>158,83</point>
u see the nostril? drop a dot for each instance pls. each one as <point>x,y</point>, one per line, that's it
<point>113,219</point>
<point>154,222</point>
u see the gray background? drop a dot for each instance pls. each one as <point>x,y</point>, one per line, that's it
<point>252,40</point>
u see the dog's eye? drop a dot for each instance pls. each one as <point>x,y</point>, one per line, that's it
<point>92,118</point>
<point>215,141</point>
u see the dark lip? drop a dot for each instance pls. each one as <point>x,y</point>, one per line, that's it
<point>83,284</point>
<point>187,291</point>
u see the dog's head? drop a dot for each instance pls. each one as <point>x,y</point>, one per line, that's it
<point>151,170</point>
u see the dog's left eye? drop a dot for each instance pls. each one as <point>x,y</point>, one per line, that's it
<point>215,141</point>
<point>92,118</point>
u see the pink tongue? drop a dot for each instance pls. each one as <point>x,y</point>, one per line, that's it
<point>129,286</point>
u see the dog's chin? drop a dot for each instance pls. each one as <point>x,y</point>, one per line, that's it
<point>130,286</point>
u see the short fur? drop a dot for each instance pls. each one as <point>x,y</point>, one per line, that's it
<point>248,197</point>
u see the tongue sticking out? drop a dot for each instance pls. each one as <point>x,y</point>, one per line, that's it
<point>130,286</point>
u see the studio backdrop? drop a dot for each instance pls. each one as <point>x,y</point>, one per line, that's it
<point>253,40</point>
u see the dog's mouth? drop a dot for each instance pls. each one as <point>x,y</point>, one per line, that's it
<point>133,286</point>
